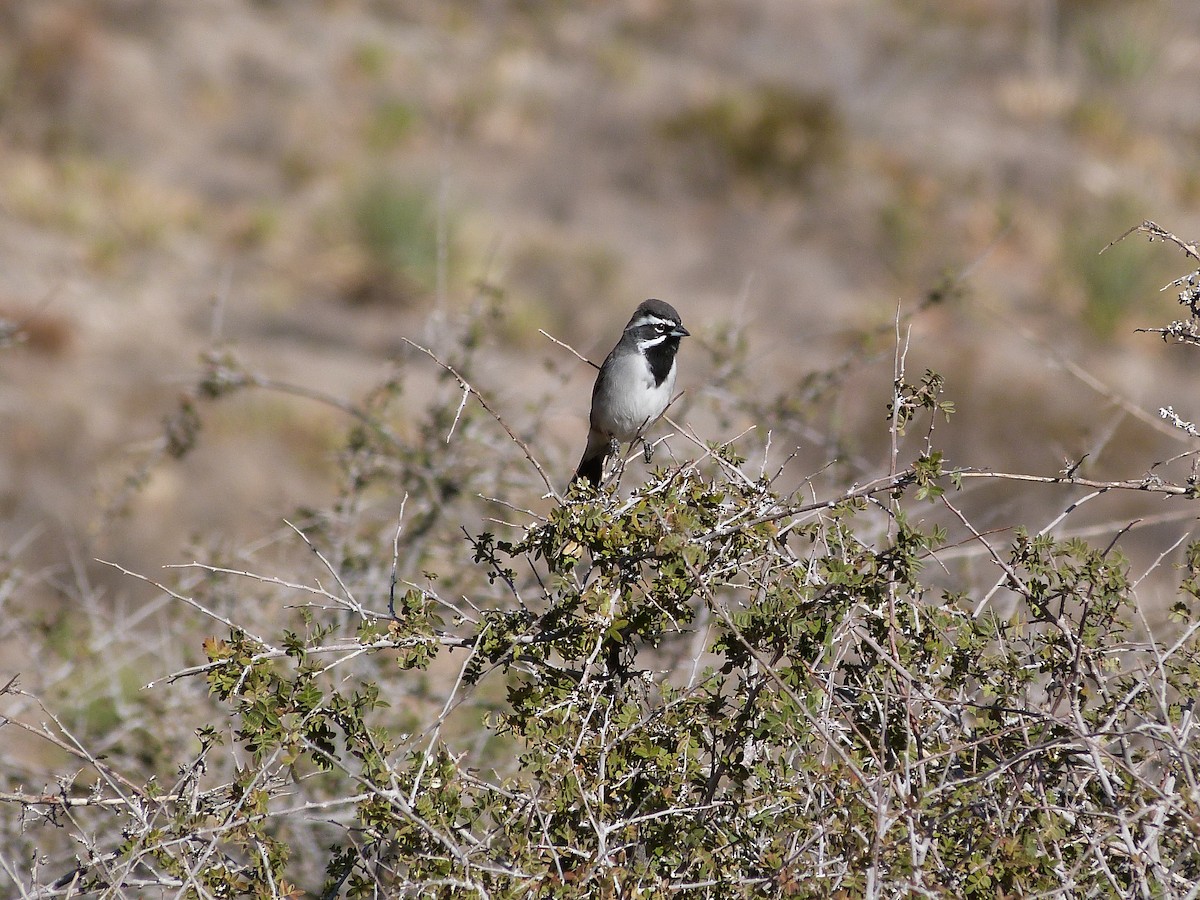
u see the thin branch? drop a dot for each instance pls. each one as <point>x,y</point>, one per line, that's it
<point>1156,232</point>
<point>1150,484</point>
<point>466,386</point>
<point>354,604</point>
<point>228,623</point>
<point>568,347</point>
<point>355,412</point>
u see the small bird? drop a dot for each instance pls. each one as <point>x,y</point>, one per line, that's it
<point>634,385</point>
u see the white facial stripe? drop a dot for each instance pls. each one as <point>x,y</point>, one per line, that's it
<point>650,320</point>
<point>647,343</point>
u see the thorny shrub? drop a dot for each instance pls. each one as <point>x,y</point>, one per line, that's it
<point>707,686</point>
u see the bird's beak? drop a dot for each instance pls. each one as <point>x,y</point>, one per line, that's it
<point>680,331</point>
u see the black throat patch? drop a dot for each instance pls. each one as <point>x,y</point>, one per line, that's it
<point>661,356</point>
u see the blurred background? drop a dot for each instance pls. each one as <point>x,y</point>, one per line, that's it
<point>309,182</point>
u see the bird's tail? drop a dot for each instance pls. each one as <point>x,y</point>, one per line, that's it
<point>591,464</point>
<point>590,469</point>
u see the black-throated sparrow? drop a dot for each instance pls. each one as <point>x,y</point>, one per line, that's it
<point>634,385</point>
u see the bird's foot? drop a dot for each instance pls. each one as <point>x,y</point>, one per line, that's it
<point>647,451</point>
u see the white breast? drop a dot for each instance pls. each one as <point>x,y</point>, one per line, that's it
<point>628,400</point>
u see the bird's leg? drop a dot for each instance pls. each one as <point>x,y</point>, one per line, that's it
<point>614,446</point>
<point>647,447</point>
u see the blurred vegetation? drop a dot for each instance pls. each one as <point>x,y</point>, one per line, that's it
<point>554,285</point>
<point>1115,53</point>
<point>43,75</point>
<point>392,123</point>
<point>406,242</point>
<point>1113,281</point>
<point>771,136</point>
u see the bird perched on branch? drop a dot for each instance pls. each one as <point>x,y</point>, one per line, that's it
<point>634,385</point>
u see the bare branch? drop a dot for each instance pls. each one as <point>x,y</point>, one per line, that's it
<point>466,386</point>
<point>579,356</point>
<point>1156,232</point>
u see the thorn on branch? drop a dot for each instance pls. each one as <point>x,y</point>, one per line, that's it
<point>1155,232</point>
<point>469,389</point>
<point>568,347</point>
<point>1171,416</point>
